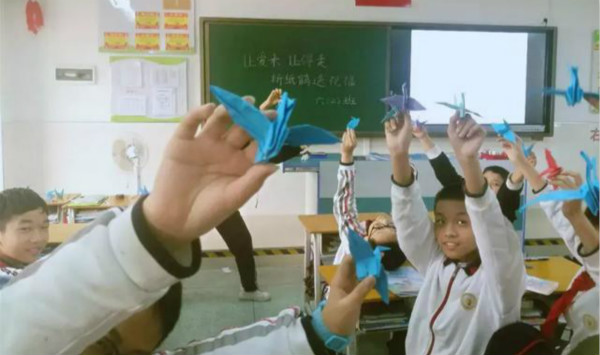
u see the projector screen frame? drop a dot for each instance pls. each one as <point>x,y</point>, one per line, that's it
<point>534,131</point>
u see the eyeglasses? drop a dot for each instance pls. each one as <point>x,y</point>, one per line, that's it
<point>376,227</point>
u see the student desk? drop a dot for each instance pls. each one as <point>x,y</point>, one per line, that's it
<point>315,226</point>
<point>555,268</point>
<point>62,231</point>
<point>121,201</point>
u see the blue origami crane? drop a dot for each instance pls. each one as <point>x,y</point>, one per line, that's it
<point>527,150</point>
<point>55,194</point>
<point>271,135</point>
<point>460,106</point>
<point>587,192</point>
<point>504,130</point>
<point>368,263</point>
<point>353,123</point>
<point>573,93</point>
<point>401,103</point>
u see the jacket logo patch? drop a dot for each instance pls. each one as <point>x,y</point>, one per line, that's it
<point>590,322</point>
<point>468,301</point>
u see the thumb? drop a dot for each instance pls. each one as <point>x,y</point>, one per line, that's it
<point>360,291</point>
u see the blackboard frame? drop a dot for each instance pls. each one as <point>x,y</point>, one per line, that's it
<point>435,130</point>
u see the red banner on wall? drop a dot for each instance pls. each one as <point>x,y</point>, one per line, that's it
<point>391,3</point>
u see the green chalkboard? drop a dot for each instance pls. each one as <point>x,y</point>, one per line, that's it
<point>334,70</point>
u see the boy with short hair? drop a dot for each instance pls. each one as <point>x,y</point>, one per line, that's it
<point>23,227</point>
<point>507,186</point>
<point>470,258</point>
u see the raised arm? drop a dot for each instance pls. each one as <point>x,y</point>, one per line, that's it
<point>83,290</point>
<point>498,244</point>
<point>414,228</point>
<point>344,201</point>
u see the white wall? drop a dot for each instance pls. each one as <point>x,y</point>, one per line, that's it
<point>58,134</point>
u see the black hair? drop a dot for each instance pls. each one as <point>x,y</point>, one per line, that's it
<point>497,170</point>
<point>17,201</point>
<point>393,258</point>
<point>518,338</point>
<point>453,192</point>
<point>169,307</point>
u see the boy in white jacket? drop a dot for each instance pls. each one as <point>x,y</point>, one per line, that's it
<point>125,262</point>
<point>470,258</point>
<point>579,231</point>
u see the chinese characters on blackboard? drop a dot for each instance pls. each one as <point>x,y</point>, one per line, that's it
<point>312,66</point>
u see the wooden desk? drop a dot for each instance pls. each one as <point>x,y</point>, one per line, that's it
<point>62,231</point>
<point>555,268</point>
<point>315,226</point>
<point>110,202</point>
<point>63,201</point>
<point>122,201</point>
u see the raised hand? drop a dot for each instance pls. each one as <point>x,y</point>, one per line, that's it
<point>203,177</point>
<point>348,145</point>
<point>346,295</point>
<point>272,100</point>
<point>466,136</point>
<point>398,134</point>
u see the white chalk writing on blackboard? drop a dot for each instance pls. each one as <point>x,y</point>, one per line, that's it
<point>273,60</point>
<point>347,100</point>
<point>315,80</point>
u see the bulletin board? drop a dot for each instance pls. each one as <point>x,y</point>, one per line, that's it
<point>595,65</point>
<point>146,26</point>
<point>148,89</point>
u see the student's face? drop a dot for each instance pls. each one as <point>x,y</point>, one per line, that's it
<point>25,236</point>
<point>382,230</point>
<point>453,231</point>
<point>494,180</point>
<point>139,334</point>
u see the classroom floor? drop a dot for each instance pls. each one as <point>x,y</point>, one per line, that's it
<point>210,302</point>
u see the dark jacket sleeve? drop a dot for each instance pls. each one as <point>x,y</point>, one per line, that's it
<point>287,152</point>
<point>444,171</point>
<point>509,200</point>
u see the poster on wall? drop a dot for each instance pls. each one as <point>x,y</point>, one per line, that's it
<point>148,89</point>
<point>388,3</point>
<point>595,66</point>
<point>146,26</point>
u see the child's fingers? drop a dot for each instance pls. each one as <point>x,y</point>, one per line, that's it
<point>473,131</point>
<point>187,128</point>
<point>464,128</point>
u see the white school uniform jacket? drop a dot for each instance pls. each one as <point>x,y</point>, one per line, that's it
<point>582,315</point>
<point>104,274</point>
<point>456,313</point>
<point>344,209</point>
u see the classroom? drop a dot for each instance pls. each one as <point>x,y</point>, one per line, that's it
<point>299,177</point>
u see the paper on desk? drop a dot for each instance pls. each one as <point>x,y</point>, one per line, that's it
<point>541,286</point>
<point>404,281</point>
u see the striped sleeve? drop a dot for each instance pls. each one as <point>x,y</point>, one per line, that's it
<point>283,334</point>
<point>344,201</point>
